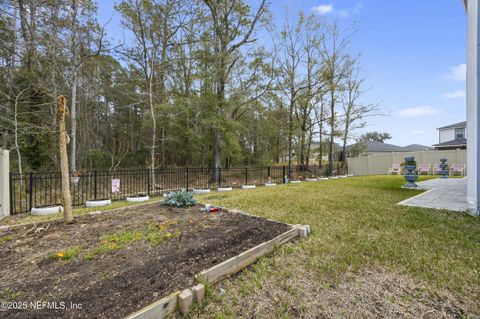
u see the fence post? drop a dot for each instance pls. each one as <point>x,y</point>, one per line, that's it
<point>268,171</point>
<point>283,175</point>
<point>186,177</point>
<point>246,175</point>
<point>95,184</point>
<point>219,177</point>
<point>6,191</point>
<point>30,191</point>
<point>147,171</point>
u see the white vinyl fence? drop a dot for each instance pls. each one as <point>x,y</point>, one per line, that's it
<point>4,185</point>
<point>380,163</point>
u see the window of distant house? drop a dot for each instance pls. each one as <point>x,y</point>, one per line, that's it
<point>459,133</point>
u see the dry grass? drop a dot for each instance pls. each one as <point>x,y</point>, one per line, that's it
<point>367,257</point>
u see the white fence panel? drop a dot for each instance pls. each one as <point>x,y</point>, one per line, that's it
<point>4,185</point>
<point>378,164</point>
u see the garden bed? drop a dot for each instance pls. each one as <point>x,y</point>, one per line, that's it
<point>117,262</point>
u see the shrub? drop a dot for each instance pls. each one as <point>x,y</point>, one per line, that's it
<point>181,198</point>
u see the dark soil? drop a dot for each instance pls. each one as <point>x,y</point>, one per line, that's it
<point>118,282</point>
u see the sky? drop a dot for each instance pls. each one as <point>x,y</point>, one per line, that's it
<point>413,55</point>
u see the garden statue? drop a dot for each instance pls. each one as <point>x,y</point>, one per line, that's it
<point>410,175</point>
<point>443,168</point>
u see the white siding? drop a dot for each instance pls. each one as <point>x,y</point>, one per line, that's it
<point>447,135</point>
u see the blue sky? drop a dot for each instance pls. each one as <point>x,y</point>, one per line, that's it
<point>413,56</point>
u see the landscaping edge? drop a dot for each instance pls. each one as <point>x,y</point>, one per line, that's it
<point>183,301</point>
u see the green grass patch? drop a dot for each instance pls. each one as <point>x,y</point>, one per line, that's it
<point>356,223</point>
<point>67,254</point>
<point>154,234</point>
<point>8,294</point>
<point>26,218</point>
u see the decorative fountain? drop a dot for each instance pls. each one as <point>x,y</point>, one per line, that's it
<point>410,176</point>
<point>443,168</point>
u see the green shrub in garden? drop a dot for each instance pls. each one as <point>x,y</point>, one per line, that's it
<point>181,198</point>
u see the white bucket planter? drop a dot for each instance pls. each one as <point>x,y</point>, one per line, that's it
<point>323,179</point>
<point>137,199</point>
<point>98,203</point>
<point>225,189</point>
<point>270,184</point>
<point>311,179</point>
<point>295,182</point>
<point>46,210</point>
<point>248,186</point>
<point>74,180</point>
<point>201,191</point>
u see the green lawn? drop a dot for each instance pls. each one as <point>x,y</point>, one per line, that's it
<point>366,257</point>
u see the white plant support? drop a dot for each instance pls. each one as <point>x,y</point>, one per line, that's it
<point>225,189</point>
<point>323,178</point>
<point>48,210</point>
<point>295,182</point>
<point>342,176</point>
<point>248,186</point>
<point>138,199</point>
<point>311,179</point>
<point>349,175</point>
<point>201,191</point>
<point>332,177</point>
<point>98,203</point>
<point>270,184</point>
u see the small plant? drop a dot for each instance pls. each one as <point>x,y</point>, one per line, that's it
<point>181,198</point>
<point>9,294</point>
<point>66,254</point>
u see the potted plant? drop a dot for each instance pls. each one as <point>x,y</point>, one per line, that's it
<point>75,178</point>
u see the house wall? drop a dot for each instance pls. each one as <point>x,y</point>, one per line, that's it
<point>446,135</point>
<point>381,163</point>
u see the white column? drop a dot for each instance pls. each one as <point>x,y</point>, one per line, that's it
<point>473,132</point>
<point>4,184</point>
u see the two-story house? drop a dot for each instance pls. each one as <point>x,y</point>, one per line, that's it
<point>452,137</point>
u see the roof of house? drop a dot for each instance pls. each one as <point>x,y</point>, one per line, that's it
<point>460,124</point>
<point>457,142</point>
<point>371,146</point>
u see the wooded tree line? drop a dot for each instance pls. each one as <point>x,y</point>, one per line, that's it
<point>210,83</point>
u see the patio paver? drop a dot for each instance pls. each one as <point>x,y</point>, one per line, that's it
<point>450,193</point>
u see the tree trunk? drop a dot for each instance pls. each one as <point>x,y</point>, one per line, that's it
<point>332,133</point>
<point>73,119</point>
<point>63,141</point>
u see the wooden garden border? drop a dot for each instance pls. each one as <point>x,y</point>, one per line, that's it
<point>170,304</point>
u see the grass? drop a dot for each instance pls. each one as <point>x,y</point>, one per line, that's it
<point>356,226</point>
<point>153,234</point>
<point>67,254</point>
<point>26,218</point>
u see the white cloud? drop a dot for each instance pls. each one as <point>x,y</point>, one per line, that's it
<point>418,111</point>
<point>418,132</point>
<point>323,9</point>
<point>455,94</point>
<point>457,73</point>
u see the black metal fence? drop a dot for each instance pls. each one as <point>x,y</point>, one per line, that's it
<point>34,189</point>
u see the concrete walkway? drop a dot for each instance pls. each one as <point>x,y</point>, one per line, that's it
<point>450,193</point>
